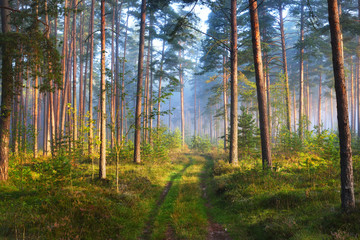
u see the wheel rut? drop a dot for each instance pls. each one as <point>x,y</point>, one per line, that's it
<point>154,212</point>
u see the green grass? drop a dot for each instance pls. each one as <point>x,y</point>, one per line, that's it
<point>300,200</point>
<point>183,213</point>
<point>56,199</point>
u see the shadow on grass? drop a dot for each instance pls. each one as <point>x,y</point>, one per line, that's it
<point>155,211</point>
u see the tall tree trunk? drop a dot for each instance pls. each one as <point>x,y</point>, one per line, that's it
<point>358,74</point>
<point>195,119</point>
<point>66,92</point>
<point>81,77</point>
<point>319,110</point>
<point>102,162</point>
<point>331,109</point>
<point>260,86</point>
<point>182,101</point>
<point>352,96</point>
<point>113,75</point>
<point>36,111</point>
<point>151,89</point>
<point>63,64</point>
<point>234,87</point>
<point>6,94</point>
<point>294,109</point>
<point>347,181</point>
<point>170,113</point>
<point>74,77</point>
<point>16,112</point>
<point>301,94</point>
<point>147,89</point>
<point>122,107</point>
<point>285,70</point>
<point>137,157</point>
<point>117,70</point>
<point>160,81</point>
<point>308,100</point>
<point>225,102</point>
<point>91,125</point>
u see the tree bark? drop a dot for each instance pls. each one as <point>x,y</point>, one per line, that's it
<point>301,95</point>
<point>234,88</point>
<point>195,119</point>
<point>74,105</point>
<point>260,86</point>
<point>182,101</point>
<point>294,108</point>
<point>358,74</point>
<point>137,157</point>
<point>347,181</point>
<point>352,95</point>
<point>36,110</point>
<point>102,162</point>
<point>63,64</point>
<point>147,90</point>
<point>91,125</point>
<point>285,70</point>
<point>225,102</point>
<point>160,81</point>
<point>122,107</point>
<point>6,95</point>
<point>319,110</point>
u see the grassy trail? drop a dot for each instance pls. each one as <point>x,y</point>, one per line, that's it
<point>181,212</point>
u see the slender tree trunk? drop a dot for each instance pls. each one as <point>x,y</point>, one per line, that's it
<point>122,107</point>
<point>234,86</point>
<point>285,70</point>
<point>225,102</point>
<point>358,92</point>
<point>16,112</point>
<point>294,109</point>
<point>331,109</point>
<point>81,77</point>
<point>113,77</point>
<point>74,77</point>
<point>117,68</point>
<point>301,94</point>
<point>24,143</point>
<point>102,162</point>
<point>91,125</point>
<point>66,93</point>
<point>36,111</point>
<point>160,81</point>
<point>63,64</point>
<point>147,89</point>
<point>182,101</point>
<point>170,113</point>
<point>195,119</point>
<point>352,96</point>
<point>260,86</point>
<point>347,181</point>
<point>6,94</point>
<point>151,89</point>
<point>319,111</point>
<point>137,157</point>
<point>308,100</point>
<point>358,74</point>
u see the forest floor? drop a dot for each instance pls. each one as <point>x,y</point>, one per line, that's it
<point>61,199</point>
<point>189,196</point>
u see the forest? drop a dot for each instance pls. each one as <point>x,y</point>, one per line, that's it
<point>180,119</point>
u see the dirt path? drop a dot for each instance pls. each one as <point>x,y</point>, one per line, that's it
<point>214,230</point>
<point>154,212</point>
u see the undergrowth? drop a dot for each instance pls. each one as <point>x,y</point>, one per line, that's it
<point>298,199</point>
